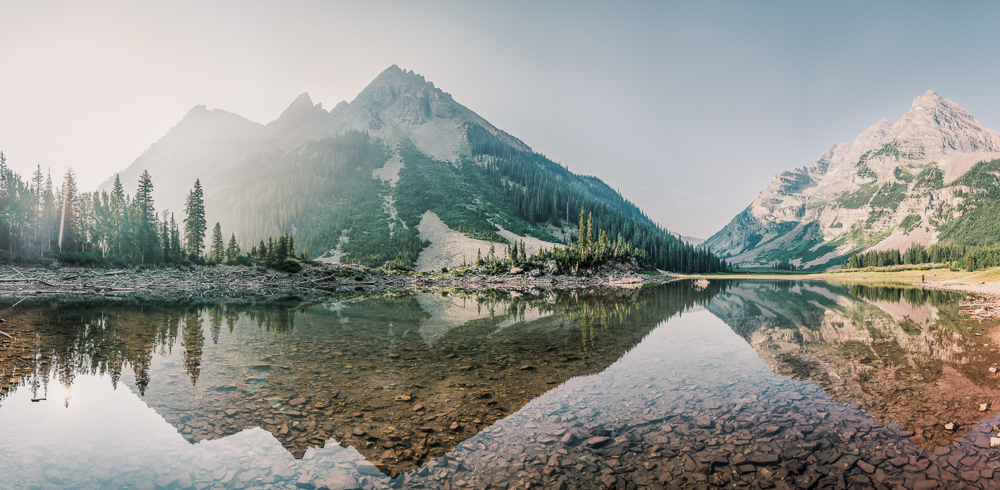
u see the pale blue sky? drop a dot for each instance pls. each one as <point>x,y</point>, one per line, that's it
<point>688,108</point>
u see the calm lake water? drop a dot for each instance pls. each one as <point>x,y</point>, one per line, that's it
<point>756,384</point>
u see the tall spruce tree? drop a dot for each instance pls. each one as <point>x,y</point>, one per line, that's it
<point>118,217</point>
<point>195,224</point>
<point>217,253</point>
<point>4,180</point>
<point>148,236</point>
<point>68,224</point>
<point>232,250</point>
<point>37,180</point>
<point>175,240</point>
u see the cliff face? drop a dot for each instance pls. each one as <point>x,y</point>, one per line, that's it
<point>893,186</point>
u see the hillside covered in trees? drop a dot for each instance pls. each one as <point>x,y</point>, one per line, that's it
<point>356,179</point>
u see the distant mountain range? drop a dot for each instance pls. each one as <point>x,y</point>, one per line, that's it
<point>918,180</point>
<point>387,177</point>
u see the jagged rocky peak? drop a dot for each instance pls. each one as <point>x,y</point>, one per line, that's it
<point>302,105</point>
<point>407,98</point>
<point>302,120</point>
<point>937,124</point>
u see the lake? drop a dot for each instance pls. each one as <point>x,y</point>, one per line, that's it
<point>759,384</point>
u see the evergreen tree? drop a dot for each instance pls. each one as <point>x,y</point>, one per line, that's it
<point>68,224</point>
<point>195,224</point>
<point>147,224</point>
<point>118,216</point>
<point>37,180</point>
<point>233,250</point>
<point>217,251</point>
<point>175,240</point>
<point>3,176</point>
<point>50,217</point>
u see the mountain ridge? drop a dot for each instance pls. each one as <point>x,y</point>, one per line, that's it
<point>354,183</point>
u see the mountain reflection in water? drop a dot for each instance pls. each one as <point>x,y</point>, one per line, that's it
<point>745,383</point>
<point>401,379</point>
<point>904,355</point>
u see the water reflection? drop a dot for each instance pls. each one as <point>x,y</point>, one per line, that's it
<point>745,383</point>
<point>402,379</point>
<point>904,355</point>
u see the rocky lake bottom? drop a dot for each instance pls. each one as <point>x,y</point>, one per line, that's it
<point>755,384</point>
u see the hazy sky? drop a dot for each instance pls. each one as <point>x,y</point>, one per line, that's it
<point>688,108</point>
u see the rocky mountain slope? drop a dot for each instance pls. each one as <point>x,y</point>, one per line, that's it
<point>356,182</point>
<point>895,185</point>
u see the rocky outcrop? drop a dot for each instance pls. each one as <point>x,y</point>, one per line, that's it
<point>882,187</point>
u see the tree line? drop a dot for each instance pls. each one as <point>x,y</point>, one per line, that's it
<point>959,256</point>
<point>40,222</point>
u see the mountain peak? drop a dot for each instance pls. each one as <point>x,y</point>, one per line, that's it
<point>301,119</point>
<point>937,124</point>
<point>303,103</point>
<point>396,84</point>
<point>398,75</point>
<point>930,100</point>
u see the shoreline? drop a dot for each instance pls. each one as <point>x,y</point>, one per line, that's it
<point>214,284</point>
<point>208,284</point>
<point>982,282</point>
<point>982,286</point>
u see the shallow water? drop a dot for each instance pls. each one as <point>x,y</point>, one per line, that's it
<point>747,383</point>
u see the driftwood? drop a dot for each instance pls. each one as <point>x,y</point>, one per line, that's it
<point>5,334</point>
<point>39,281</point>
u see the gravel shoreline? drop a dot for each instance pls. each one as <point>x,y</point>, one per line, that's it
<point>202,284</point>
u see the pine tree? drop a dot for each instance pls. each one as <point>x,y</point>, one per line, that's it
<point>233,250</point>
<point>217,252</point>
<point>118,216</point>
<point>195,224</point>
<point>271,255</point>
<point>4,178</point>
<point>68,224</point>
<point>37,181</point>
<point>146,225</point>
<point>50,217</point>
<point>590,232</point>
<point>175,240</point>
